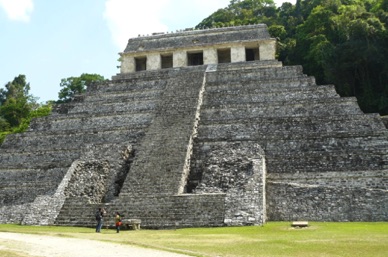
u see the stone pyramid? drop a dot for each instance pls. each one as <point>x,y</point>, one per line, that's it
<point>200,128</point>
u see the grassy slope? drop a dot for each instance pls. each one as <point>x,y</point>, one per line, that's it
<point>273,239</point>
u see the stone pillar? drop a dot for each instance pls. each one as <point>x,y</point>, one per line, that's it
<point>237,54</point>
<point>180,59</point>
<point>127,64</point>
<point>267,50</point>
<point>154,61</point>
<point>210,56</point>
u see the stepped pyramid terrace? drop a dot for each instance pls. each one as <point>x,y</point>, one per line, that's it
<point>199,128</point>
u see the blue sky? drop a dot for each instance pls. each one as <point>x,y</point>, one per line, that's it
<point>50,40</point>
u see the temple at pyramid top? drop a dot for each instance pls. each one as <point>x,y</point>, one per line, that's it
<point>198,47</point>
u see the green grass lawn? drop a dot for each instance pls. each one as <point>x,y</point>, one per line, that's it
<point>273,239</point>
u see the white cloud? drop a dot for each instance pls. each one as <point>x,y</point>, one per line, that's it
<point>18,10</point>
<point>130,18</point>
<point>181,14</point>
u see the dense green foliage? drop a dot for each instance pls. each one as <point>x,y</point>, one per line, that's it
<point>340,42</point>
<point>76,85</point>
<point>18,107</point>
<point>15,102</point>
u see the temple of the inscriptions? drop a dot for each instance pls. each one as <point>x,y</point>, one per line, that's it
<point>192,47</point>
<point>201,128</point>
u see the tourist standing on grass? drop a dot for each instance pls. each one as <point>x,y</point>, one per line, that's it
<point>118,222</point>
<point>100,219</point>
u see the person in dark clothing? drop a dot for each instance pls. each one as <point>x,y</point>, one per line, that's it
<point>100,219</point>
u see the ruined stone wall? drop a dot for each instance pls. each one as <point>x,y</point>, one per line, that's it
<point>238,170</point>
<point>331,196</point>
<point>290,201</point>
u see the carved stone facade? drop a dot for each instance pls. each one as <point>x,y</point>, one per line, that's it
<point>201,135</point>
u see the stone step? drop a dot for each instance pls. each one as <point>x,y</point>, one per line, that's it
<point>336,142</point>
<point>149,75</point>
<point>223,67</point>
<point>123,96</point>
<point>298,149</point>
<point>128,85</point>
<point>308,107</point>
<point>255,74</point>
<point>255,96</point>
<point>103,107</point>
<point>158,75</point>
<point>290,121</point>
<point>115,94</point>
<point>40,159</point>
<point>319,161</point>
<point>273,84</point>
<point>270,127</point>
<point>19,186</point>
<point>21,195</point>
<point>326,144</point>
<point>73,209</point>
<point>91,122</point>
<point>271,139</point>
<point>30,141</point>
<point>21,174</point>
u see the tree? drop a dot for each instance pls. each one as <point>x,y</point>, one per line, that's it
<point>15,101</point>
<point>18,107</point>
<point>76,85</point>
<point>242,13</point>
<point>313,42</point>
<point>4,124</point>
<point>357,68</point>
